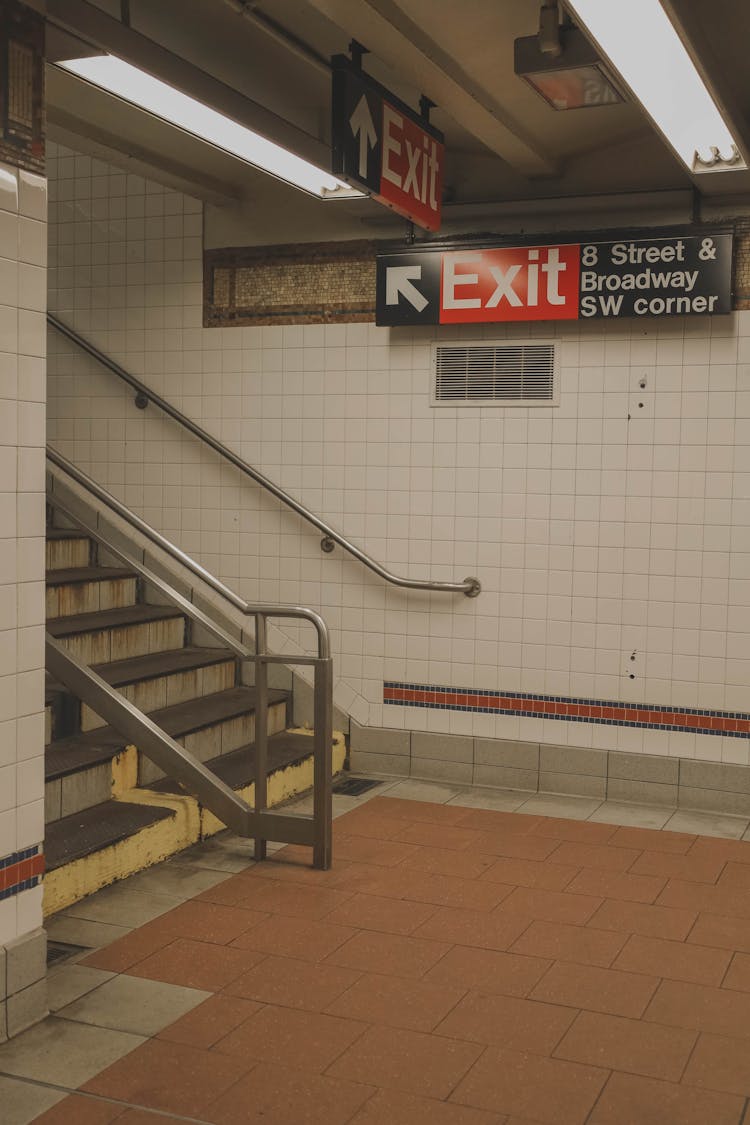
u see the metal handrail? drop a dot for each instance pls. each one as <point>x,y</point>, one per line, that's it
<point>471,586</point>
<point>315,831</point>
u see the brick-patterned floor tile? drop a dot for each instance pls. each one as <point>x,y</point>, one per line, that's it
<point>286,1095</point>
<point>80,1110</point>
<point>629,1099</point>
<point>428,1065</point>
<point>416,811</point>
<point>737,851</point>
<point>674,960</point>
<point>582,944</point>
<point>597,990</point>
<point>280,1036</point>
<point>196,964</point>
<point>652,840</point>
<point>736,876</point>
<point>381,853</point>
<point>719,1063</point>
<point>206,921</point>
<point>532,1087</point>
<point>392,954</point>
<point>495,820</point>
<point>697,869</point>
<point>515,845</point>
<point>599,856</point>
<point>615,884</point>
<point>465,927</point>
<point>209,1022</point>
<point>738,973</point>
<point>389,1107</point>
<point>291,983</point>
<point>291,899</point>
<point>396,1002</point>
<point>489,971</point>
<point>443,861</point>
<point>442,836</point>
<point>575,831</point>
<point>640,918</point>
<point>708,897</point>
<point>305,938</point>
<point>551,906</point>
<point>696,1006</point>
<point>507,1021</point>
<point>721,932</point>
<point>358,822</point>
<point>128,950</point>
<point>530,873</point>
<point>390,915</point>
<point>169,1076</point>
<point>465,894</point>
<point>631,1045</point>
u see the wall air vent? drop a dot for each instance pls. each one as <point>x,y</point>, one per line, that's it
<point>509,374</point>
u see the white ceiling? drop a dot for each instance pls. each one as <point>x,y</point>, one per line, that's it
<point>267,67</point>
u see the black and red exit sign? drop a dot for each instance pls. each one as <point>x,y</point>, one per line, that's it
<point>633,274</point>
<point>383,147</point>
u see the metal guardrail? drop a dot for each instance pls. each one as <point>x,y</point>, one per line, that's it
<point>471,586</point>
<point>173,759</point>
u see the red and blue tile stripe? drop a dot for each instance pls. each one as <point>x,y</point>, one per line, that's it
<point>688,720</point>
<point>20,871</point>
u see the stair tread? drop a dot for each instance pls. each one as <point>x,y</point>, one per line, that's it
<point>72,575</point>
<point>95,828</point>
<point>237,768</point>
<point>79,751</point>
<point>110,618</point>
<point>154,664</point>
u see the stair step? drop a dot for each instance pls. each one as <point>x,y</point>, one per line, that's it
<point>66,548</point>
<point>155,681</point>
<point>96,828</point>
<point>237,769</point>
<point>79,769</point>
<point>89,589</point>
<point>118,634</point>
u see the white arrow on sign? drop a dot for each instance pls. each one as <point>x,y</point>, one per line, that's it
<point>361,123</point>
<point>398,283</point>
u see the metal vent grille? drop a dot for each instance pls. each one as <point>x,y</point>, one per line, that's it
<point>499,374</point>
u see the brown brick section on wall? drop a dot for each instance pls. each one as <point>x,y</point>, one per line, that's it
<point>309,283</point>
<point>742,263</point>
<point>21,87</point>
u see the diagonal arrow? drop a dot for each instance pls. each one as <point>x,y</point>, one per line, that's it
<point>361,123</point>
<point>398,283</point>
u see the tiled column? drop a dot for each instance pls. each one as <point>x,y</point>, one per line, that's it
<point>23,251</point>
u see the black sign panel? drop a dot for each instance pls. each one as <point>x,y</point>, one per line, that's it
<point>659,274</point>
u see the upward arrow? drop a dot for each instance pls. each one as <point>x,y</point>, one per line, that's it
<point>361,123</point>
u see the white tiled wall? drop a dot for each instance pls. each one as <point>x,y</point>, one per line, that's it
<point>23,258</point>
<point>615,525</point>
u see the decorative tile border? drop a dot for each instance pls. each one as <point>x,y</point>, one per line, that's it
<point>728,724</point>
<point>20,871</point>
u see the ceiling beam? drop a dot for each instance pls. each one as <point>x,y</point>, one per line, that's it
<point>388,32</point>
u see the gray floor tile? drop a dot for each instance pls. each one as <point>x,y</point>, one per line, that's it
<point>707,824</point>
<point>22,1102</point>
<point>486,799</point>
<point>64,1053</point>
<point>424,791</point>
<point>223,852</point>
<point>632,816</point>
<point>122,905</point>
<point>552,804</point>
<point>83,931</point>
<point>175,880</point>
<point>142,1007</point>
<point>69,982</point>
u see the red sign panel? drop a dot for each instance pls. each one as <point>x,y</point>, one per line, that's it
<point>411,172</point>
<point>513,283</point>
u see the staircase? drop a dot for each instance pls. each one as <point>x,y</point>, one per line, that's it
<point>109,810</point>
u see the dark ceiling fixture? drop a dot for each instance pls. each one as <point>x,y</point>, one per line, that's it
<point>561,64</point>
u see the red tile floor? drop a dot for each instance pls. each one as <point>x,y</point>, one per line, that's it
<point>458,966</point>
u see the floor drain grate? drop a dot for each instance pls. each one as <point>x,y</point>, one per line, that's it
<point>354,786</point>
<point>59,951</point>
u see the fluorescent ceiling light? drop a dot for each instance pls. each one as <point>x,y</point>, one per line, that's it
<point>171,105</point>
<point>641,43</point>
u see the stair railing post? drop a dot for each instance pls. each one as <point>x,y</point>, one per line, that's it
<point>261,727</point>
<point>322,763</point>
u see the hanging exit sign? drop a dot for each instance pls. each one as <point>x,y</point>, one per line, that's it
<point>385,148</point>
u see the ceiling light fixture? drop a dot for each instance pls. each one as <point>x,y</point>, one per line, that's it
<point>641,43</point>
<point>561,65</point>
<point>165,102</point>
